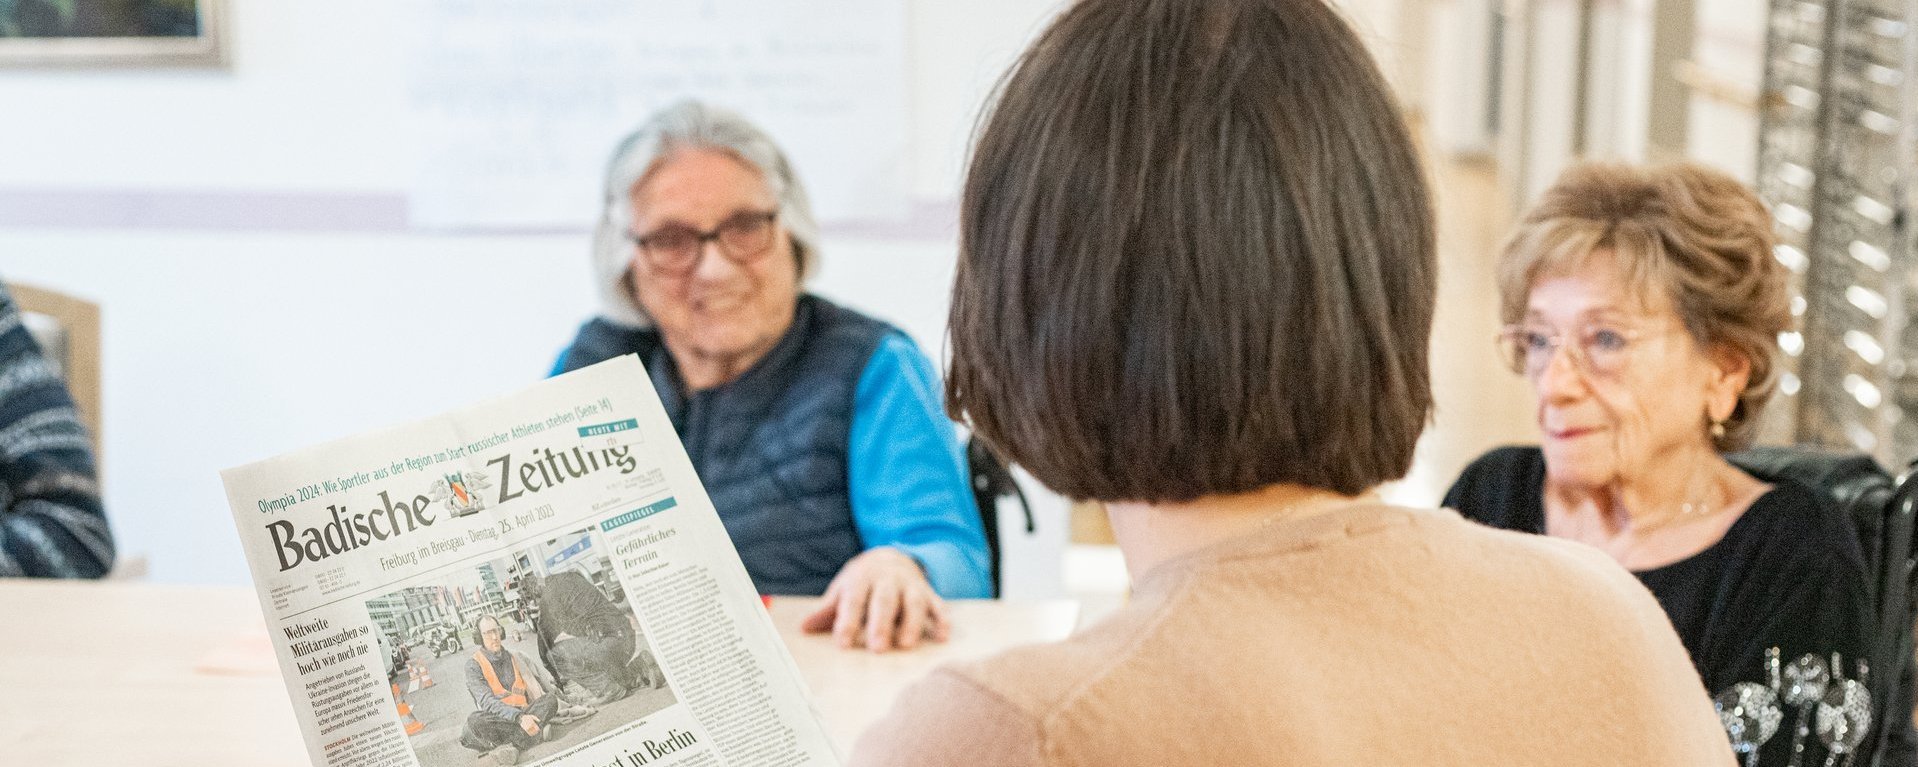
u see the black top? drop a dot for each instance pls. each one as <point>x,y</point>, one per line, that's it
<point>1788,574</point>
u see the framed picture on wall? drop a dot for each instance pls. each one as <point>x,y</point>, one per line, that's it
<point>134,33</point>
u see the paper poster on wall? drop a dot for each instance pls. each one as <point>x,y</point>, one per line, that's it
<point>518,102</point>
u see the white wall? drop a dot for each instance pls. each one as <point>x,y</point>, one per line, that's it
<point>1538,130</point>
<point>1635,108</point>
<point>1620,80</point>
<point>1395,32</point>
<point>1457,68</point>
<point>261,291</point>
<point>315,98</point>
<point>235,338</point>
<point>1730,49</point>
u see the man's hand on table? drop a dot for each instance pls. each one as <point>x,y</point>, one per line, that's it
<point>881,596</point>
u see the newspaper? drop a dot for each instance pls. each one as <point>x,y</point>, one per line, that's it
<point>538,579</point>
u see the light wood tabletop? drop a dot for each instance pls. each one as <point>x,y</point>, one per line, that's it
<point>853,688</point>
<point>182,676</point>
<point>171,676</point>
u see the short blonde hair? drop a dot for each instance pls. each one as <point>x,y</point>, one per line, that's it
<point>1698,235</point>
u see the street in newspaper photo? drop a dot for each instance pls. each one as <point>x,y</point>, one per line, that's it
<point>518,659</point>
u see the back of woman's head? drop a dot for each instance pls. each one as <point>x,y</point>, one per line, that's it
<point>1196,257</point>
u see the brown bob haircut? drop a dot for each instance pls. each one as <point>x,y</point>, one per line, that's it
<point>1695,235</point>
<point>1196,257</point>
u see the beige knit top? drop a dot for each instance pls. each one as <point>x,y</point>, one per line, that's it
<point>1374,635</point>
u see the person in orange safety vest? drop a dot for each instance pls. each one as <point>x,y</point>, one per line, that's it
<point>515,706</point>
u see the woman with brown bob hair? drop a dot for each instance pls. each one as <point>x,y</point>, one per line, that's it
<point>1644,306</point>
<point>1196,282</point>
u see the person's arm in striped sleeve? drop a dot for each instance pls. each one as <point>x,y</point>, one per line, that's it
<point>52,524</point>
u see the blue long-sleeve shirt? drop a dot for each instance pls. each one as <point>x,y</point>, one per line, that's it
<point>909,484</point>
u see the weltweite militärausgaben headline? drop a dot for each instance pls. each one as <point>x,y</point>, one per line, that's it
<point>346,530</point>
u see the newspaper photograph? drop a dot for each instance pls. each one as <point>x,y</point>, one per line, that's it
<point>539,579</point>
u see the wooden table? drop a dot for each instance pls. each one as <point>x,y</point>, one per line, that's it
<point>852,689</point>
<point>182,676</point>
<point>109,673</point>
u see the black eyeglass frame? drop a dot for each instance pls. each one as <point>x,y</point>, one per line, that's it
<point>681,263</point>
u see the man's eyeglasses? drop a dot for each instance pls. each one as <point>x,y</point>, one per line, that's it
<point>1601,351</point>
<point>744,238</point>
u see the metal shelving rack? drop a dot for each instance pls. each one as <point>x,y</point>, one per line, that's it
<point>1837,157</point>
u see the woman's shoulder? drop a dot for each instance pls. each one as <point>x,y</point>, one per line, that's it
<point>1562,584</point>
<point>827,316</point>
<point>1501,488</point>
<point>951,717</point>
<point>601,339</point>
<point>886,354</point>
<point>1003,709</point>
<point>1792,528</point>
<point>1049,677</point>
<point>1502,466</point>
<point>1542,561</point>
<point>844,337</point>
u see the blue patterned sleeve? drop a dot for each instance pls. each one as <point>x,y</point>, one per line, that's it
<point>51,521</point>
<point>908,477</point>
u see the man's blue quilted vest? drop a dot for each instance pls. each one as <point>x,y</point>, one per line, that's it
<point>771,445</point>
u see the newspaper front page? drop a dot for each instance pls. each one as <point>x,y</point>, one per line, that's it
<point>538,579</point>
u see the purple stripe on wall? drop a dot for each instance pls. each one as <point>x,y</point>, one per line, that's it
<point>924,220</point>
<point>206,210</point>
<point>311,212</point>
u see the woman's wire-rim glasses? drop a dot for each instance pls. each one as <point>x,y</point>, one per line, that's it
<point>1602,351</point>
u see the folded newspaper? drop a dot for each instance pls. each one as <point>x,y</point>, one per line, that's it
<point>538,579</point>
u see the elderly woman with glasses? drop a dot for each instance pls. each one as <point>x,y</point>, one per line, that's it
<point>1644,306</point>
<point>815,429</point>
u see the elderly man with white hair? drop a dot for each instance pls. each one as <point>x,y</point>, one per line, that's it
<point>816,430</point>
